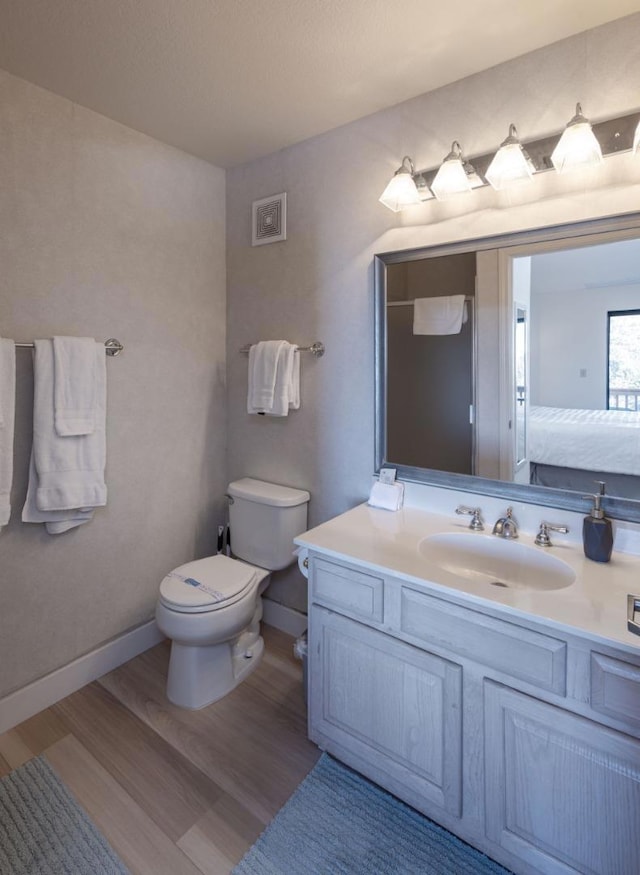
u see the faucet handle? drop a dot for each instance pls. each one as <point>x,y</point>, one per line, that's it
<point>474,512</point>
<point>543,539</point>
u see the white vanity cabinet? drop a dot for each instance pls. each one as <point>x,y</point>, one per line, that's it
<point>519,738</point>
<point>389,704</point>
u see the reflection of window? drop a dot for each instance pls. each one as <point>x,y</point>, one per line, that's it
<point>623,379</point>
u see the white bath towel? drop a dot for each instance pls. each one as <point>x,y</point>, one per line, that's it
<point>67,473</point>
<point>263,367</point>
<point>442,315</point>
<point>74,385</point>
<point>286,388</point>
<point>56,521</point>
<point>7,418</point>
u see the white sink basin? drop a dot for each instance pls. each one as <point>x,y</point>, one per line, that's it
<point>503,563</point>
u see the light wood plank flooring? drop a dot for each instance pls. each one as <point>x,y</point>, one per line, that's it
<point>176,792</point>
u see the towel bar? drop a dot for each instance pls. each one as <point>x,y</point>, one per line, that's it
<point>111,346</point>
<point>316,349</point>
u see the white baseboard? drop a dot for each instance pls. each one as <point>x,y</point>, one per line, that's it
<point>283,618</point>
<point>48,690</point>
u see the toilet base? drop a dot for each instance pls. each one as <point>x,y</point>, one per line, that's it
<point>199,676</point>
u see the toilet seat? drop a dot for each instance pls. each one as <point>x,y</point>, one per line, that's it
<point>207,584</point>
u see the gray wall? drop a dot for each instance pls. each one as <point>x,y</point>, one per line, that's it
<point>105,232</point>
<point>318,283</point>
<point>558,356</point>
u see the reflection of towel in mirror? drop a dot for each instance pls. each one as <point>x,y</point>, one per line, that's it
<point>442,315</point>
<point>7,415</point>
<point>66,476</point>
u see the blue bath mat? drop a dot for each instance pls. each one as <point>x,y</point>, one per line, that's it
<point>43,830</point>
<point>338,823</point>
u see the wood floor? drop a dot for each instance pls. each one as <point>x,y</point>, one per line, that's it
<point>176,792</point>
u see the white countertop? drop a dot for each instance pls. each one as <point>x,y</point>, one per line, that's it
<point>384,541</point>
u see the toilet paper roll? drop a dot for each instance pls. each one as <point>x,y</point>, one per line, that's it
<point>303,557</point>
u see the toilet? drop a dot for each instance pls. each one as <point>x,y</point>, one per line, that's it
<point>211,608</point>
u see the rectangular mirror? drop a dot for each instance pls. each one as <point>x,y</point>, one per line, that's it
<point>507,365</point>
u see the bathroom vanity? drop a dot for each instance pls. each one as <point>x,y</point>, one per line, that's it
<point>505,710</point>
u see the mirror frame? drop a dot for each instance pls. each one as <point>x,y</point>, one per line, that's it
<point>618,508</point>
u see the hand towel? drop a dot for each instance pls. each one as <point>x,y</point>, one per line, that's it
<point>294,384</point>
<point>67,473</point>
<point>74,385</point>
<point>388,496</point>
<point>286,394</point>
<point>263,366</point>
<point>286,389</point>
<point>7,418</point>
<point>442,315</point>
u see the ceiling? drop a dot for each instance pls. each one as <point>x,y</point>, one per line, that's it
<point>602,266</point>
<point>232,80</point>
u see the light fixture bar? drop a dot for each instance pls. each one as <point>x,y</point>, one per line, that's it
<point>615,137</point>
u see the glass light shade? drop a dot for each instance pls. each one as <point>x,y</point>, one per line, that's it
<point>578,146</point>
<point>401,191</point>
<point>510,164</point>
<point>451,177</point>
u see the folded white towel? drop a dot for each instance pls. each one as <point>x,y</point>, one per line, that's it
<point>74,385</point>
<point>7,418</point>
<point>442,315</point>
<point>286,389</point>
<point>389,496</point>
<point>263,366</point>
<point>286,394</point>
<point>67,473</point>
<point>294,384</point>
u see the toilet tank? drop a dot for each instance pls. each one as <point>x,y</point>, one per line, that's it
<point>264,519</point>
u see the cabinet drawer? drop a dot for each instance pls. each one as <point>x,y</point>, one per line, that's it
<point>347,591</point>
<point>615,688</point>
<point>537,659</point>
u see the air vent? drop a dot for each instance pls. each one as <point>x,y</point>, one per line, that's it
<point>269,219</point>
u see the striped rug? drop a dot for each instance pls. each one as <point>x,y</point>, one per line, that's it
<point>338,823</point>
<point>43,830</point>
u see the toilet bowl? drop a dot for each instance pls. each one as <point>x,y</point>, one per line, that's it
<point>211,608</point>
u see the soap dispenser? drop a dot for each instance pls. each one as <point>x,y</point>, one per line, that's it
<point>597,534</point>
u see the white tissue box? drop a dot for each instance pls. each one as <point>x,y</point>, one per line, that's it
<point>389,496</point>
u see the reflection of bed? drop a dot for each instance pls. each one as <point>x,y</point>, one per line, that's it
<point>569,449</point>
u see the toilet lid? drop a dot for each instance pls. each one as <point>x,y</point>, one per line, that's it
<point>207,584</point>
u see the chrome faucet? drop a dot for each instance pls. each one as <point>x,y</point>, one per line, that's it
<point>543,539</point>
<point>506,526</point>
<point>474,512</point>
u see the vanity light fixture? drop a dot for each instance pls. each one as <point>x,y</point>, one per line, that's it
<point>578,146</point>
<point>510,163</point>
<point>401,191</point>
<point>454,176</point>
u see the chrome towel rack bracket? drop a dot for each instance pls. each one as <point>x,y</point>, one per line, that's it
<point>316,349</point>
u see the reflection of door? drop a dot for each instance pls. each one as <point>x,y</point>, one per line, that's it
<point>429,395</point>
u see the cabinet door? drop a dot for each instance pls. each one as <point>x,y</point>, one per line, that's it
<point>394,707</point>
<point>562,792</point>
